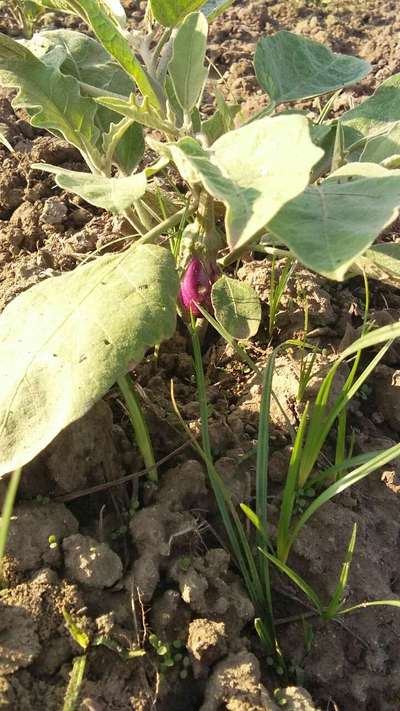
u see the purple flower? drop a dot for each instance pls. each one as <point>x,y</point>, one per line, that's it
<point>196,285</point>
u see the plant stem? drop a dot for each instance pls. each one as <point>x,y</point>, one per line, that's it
<point>6,514</point>
<point>94,91</point>
<point>166,225</point>
<point>138,423</point>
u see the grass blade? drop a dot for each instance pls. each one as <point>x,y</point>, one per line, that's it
<point>371,603</point>
<point>337,597</point>
<point>139,425</point>
<point>289,492</point>
<point>6,514</point>
<point>296,579</point>
<point>75,683</point>
<point>337,487</point>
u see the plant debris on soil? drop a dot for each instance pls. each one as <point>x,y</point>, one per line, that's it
<point>131,552</point>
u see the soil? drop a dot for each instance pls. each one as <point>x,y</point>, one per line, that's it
<point>135,552</point>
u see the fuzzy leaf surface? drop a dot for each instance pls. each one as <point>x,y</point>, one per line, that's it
<point>329,226</point>
<point>253,170</point>
<point>290,67</point>
<point>53,100</point>
<point>186,68</point>
<point>380,148</point>
<point>65,341</point>
<point>377,113</point>
<point>113,194</point>
<point>170,13</point>
<point>236,307</point>
<point>213,8</point>
<point>106,27</point>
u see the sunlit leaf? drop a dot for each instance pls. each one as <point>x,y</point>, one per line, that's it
<point>331,224</point>
<point>170,13</point>
<point>236,306</point>
<point>65,341</point>
<point>53,100</point>
<point>254,170</point>
<point>186,68</point>
<point>291,67</point>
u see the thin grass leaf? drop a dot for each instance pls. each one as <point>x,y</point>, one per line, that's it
<point>253,518</point>
<point>348,480</point>
<point>6,514</point>
<point>297,580</point>
<point>337,596</point>
<point>243,355</point>
<point>320,426</point>
<point>75,683</point>
<point>139,425</point>
<point>289,492</point>
<point>349,463</point>
<point>277,290</point>
<point>371,603</point>
<point>262,473</point>
<point>229,517</point>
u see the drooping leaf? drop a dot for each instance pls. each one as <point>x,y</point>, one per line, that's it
<point>381,262</point>
<point>65,341</point>
<point>379,148</point>
<point>186,68</point>
<point>113,194</point>
<point>143,113</point>
<point>106,27</point>
<point>377,113</point>
<point>330,225</point>
<point>83,58</point>
<point>290,67</point>
<point>173,102</point>
<point>170,13</point>
<point>213,8</point>
<point>222,119</point>
<point>236,307</point>
<point>124,145</point>
<point>254,170</point>
<point>53,99</point>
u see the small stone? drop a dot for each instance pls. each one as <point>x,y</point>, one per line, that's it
<point>207,641</point>
<point>54,211</point>
<point>91,563</point>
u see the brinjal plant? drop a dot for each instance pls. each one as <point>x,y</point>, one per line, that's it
<point>130,100</point>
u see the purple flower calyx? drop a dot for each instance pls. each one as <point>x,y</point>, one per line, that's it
<point>196,285</point>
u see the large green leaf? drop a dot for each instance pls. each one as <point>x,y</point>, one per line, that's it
<point>186,68</point>
<point>170,13</point>
<point>380,148</point>
<point>381,262</point>
<point>222,120</point>
<point>65,341</point>
<point>53,99</point>
<point>212,8</point>
<point>97,14</point>
<point>254,170</point>
<point>237,307</point>
<point>330,225</point>
<point>129,147</point>
<point>83,58</point>
<point>113,194</point>
<point>290,67</point>
<point>377,113</point>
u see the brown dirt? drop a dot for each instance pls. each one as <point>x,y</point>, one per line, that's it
<point>171,548</point>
